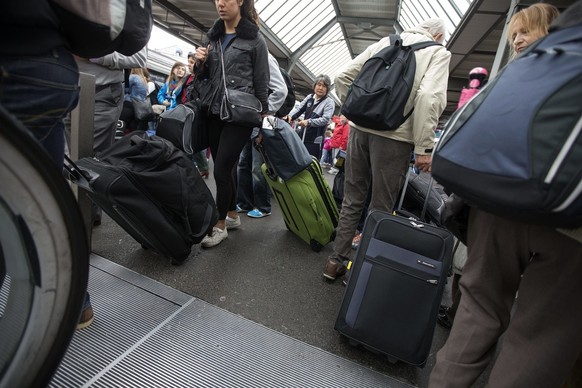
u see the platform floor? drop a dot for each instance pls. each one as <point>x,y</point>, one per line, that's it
<point>262,277</point>
<point>148,334</point>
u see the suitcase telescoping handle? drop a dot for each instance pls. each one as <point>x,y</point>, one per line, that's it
<point>426,197</point>
<point>272,121</point>
<point>270,172</point>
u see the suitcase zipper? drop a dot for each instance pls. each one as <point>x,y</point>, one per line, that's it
<point>324,195</point>
<point>431,281</point>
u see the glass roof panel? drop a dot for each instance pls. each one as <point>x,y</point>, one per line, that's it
<point>295,22</point>
<point>451,11</point>
<point>328,54</point>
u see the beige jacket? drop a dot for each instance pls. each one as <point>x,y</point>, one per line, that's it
<point>428,96</point>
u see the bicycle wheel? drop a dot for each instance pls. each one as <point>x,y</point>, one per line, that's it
<point>44,260</point>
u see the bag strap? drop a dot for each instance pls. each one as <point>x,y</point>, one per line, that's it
<point>221,55</point>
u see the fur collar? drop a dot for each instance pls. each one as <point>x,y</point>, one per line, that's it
<point>245,30</point>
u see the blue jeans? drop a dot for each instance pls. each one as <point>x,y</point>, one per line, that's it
<point>326,157</point>
<point>253,190</point>
<point>40,91</point>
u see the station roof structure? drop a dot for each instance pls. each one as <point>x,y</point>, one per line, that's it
<point>312,37</point>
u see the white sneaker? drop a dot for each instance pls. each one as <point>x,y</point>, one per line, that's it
<point>218,235</point>
<point>333,171</point>
<point>232,223</point>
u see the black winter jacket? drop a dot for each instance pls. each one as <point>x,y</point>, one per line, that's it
<point>245,62</point>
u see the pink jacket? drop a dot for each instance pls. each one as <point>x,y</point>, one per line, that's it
<point>327,143</point>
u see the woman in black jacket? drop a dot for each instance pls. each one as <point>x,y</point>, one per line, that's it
<point>236,33</point>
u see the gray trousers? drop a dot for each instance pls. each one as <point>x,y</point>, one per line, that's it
<point>543,338</point>
<point>388,161</point>
<point>108,106</point>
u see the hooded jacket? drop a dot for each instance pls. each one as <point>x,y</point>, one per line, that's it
<point>428,96</point>
<point>245,62</point>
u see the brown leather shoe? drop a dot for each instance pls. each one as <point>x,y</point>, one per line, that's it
<point>86,318</point>
<point>334,268</point>
<point>204,174</point>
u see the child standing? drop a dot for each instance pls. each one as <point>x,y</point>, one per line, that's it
<point>325,160</point>
<point>171,89</point>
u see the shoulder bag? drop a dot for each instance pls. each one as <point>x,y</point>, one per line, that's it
<point>238,107</point>
<point>142,109</point>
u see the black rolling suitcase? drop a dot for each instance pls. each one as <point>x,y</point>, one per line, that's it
<point>151,189</point>
<point>397,279</point>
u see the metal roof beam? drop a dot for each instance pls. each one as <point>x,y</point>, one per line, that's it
<point>183,15</point>
<point>372,21</point>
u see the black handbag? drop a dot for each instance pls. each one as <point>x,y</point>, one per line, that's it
<point>142,109</point>
<point>239,107</point>
<point>201,90</point>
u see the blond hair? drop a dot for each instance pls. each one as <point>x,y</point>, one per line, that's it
<point>535,19</point>
<point>140,73</point>
<point>171,76</point>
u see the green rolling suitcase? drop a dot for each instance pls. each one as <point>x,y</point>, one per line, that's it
<point>307,204</point>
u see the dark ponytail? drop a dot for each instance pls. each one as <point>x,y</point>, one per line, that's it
<point>248,11</point>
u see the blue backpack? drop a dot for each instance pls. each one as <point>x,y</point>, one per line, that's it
<point>515,149</point>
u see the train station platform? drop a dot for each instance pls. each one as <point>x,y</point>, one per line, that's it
<point>253,311</point>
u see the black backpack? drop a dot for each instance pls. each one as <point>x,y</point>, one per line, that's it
<point>290,99</point>
<point>93,31</point>
<point>379,93</point>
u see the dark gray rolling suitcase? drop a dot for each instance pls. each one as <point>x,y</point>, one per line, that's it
<point>151,189</point>
<point>397,279</point>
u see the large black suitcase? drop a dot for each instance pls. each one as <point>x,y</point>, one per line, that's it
<point>397,279</point>
<point>151,189</point>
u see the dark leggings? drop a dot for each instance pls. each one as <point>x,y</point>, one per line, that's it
<point>226,143</point>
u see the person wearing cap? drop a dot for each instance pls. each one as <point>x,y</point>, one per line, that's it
<point>317,110</point>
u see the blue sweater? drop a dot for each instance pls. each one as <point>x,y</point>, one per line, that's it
<point>164,94</point>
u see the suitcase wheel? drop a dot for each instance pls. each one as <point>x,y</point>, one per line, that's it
<point>353,342</point>
<point>315,246</point>
<point>179,261</point>
<point>392,360</point>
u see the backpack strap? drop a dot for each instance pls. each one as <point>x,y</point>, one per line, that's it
<point>421,45</point>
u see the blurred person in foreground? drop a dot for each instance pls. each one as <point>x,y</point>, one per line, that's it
<point>521,281</point>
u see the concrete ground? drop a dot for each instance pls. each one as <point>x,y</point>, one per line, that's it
<point>266,274</point>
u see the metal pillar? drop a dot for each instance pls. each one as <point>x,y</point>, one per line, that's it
<point>82,128</point>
